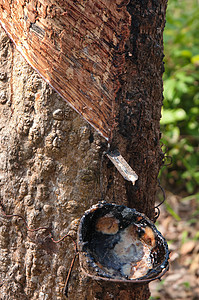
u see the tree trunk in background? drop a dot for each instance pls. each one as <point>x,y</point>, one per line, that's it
<point>50,164</point>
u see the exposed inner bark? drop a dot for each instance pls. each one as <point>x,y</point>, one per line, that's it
<point>50,163</point>
<point>77,46</point>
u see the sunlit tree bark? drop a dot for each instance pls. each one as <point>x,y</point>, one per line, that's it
<point>50,163</point>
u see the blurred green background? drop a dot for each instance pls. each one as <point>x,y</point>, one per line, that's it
<point>179,216</point>
<point>180,114</point>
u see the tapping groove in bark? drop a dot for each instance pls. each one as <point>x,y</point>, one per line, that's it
<point>50,160</point>
<point>77,47</point>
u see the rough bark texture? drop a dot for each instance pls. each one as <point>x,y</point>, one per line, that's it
<point>50,163</point>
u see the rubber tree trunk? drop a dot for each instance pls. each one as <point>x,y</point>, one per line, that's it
<point>50,164</point>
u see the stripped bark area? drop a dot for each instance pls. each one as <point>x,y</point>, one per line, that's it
<point>77,47</point>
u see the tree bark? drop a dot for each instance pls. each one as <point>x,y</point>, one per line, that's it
<point>50,164</point>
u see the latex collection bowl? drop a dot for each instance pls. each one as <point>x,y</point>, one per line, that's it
<point>118,243</point>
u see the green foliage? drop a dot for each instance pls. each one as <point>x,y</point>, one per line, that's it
<point>172,212</point>
<point>187,284</point>
<point>180,114</point>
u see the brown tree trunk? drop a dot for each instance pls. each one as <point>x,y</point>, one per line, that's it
<point>50,164</point>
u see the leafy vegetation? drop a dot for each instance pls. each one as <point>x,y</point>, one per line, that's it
<point>180,212</point>
<point>180,114</point>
